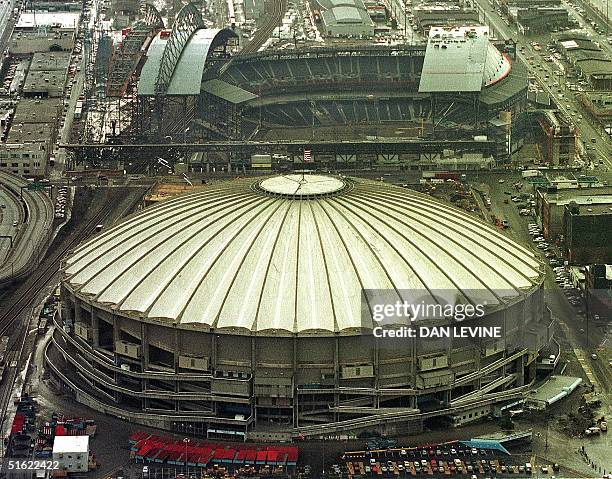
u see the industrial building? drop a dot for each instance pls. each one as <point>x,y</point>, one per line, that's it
<point>537,19</point>
<point>29,139</point>
<point>556,138</point>
<point>345,18</point>
<point>28,42</point>
<point>25,158</point>
<point>589,60</point>
<point>587,230</point>
<point>243,309</point>
<point>433,15</point>
<point>551,203</point>
<point>599,104</point>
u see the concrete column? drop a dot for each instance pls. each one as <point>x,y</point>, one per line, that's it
<point>294,385</point>
<point>144,346</point>
<point>77,311</point>
<point>95,330</point>
<point>520,372</point>
<point>337,373</point>
<point>116,331</point>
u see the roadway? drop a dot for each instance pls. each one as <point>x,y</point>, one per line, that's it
<point>33,230</point>
<point>539,67</point>
<point>7,21</point>
<point>11,212</point>
<point>578,336</point>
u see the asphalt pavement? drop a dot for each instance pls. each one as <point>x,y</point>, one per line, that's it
<point>572,325</point>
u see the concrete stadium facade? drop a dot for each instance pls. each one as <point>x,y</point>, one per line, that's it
<point>193,352</point>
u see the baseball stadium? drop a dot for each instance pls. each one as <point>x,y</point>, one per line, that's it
<point>184,84</point>
<point>240,312</point>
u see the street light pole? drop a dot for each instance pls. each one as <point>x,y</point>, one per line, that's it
<point>186,441</point>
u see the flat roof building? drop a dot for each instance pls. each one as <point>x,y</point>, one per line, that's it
<point>346,18</point>
<point>551,202</point>
<point>71,453</point>
<point>537,19</point>
<point>589,59</point>
<point>27,147</point>
<point>599,103</point>
<point>45,110</point>
<point>50,61</point>
<point>588,232</point>
<point>27,42</point>
<point>44,83</point>
<point>33,21</point>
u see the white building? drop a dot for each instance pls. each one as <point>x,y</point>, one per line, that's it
<point>71,453</point>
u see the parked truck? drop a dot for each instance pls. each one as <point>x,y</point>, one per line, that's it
<point>441,175</point>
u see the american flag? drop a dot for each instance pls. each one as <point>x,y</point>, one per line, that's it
<point>307,155</point>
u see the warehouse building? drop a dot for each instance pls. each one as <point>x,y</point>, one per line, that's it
<point>28,42</point>
<point>557,138</point>
<point>206,312</point>
<point>588,232</point>
<point>599,104</point>
<point>346,18</point>
<point>37,111</point>
<point>536,19</point>
<point>50,61</point>
<point>551,202</point>
<point>27,147</point>
<point>589,60</point>
<point>430,15</point>
<point>44,83</point>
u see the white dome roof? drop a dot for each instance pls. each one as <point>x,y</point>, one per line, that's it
<point>283,256</point>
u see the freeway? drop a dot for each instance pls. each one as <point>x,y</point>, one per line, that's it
<point>33,230</point>
<point>545,71</point>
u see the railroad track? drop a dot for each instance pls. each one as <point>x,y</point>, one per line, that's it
<point>275,11</point>
<point>22,297</point>
<point>36,227</point>
<point>21,300</point>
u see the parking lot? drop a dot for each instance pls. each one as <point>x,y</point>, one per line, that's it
<point>443,460</point>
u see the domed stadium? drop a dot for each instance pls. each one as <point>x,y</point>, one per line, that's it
<point>238,311</point>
